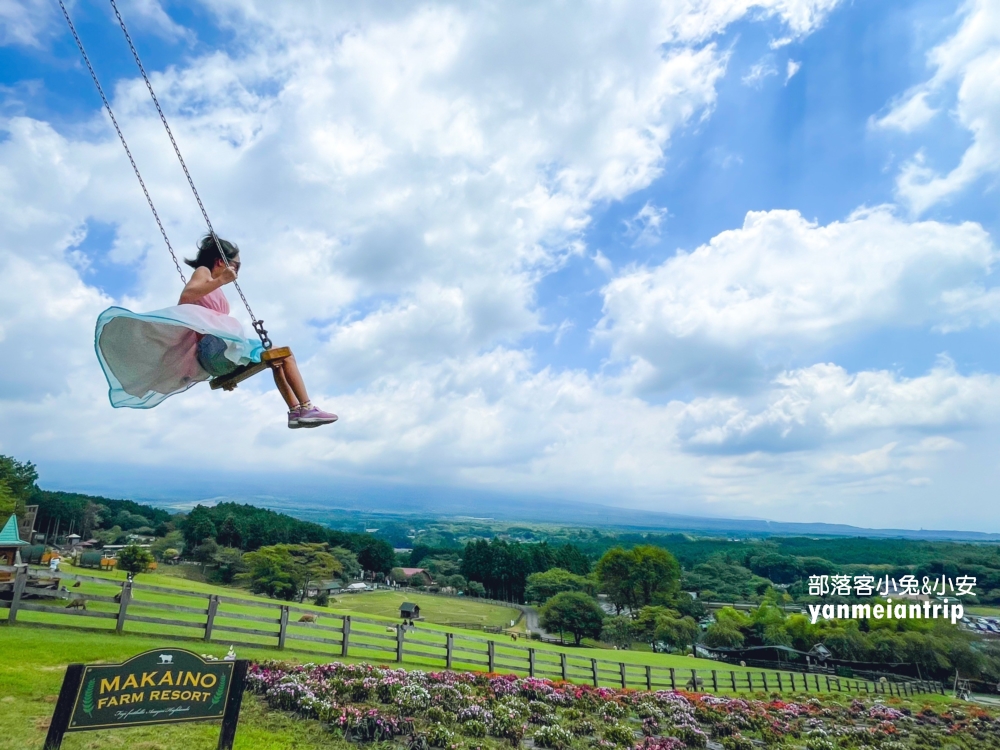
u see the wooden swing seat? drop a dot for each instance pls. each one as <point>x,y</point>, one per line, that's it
<point>270,358</point>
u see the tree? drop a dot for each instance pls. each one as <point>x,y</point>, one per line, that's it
<point>205,552</point>
<point>568,557</point>
<point>349,565</point>
<point>172,541</point>
<point>229,564</point>
<point>8,501</point>
<point>614,571</point>
<point>315,563</point>
<point>543,586</point>
<point>198,526</point>
<point>398,576</point>
<point>19,476</point>
<point>475,588</point>
<point>573,612</point>
<point>229,532</point>
<point>272,571</point>
<point>619,631</point>
<point>648,618</point>
<point>721,635</point>
<point>134,559</point>
<point>376,555</point>
<point>654,573</point>
<point>677,632</point>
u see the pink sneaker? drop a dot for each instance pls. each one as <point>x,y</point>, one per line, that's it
<point>310,416</point>
<point>293,418</point>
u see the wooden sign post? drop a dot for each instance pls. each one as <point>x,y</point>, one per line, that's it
<point>165,686</point>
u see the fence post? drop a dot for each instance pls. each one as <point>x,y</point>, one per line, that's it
<point>449,644</point>
<point>828,688</point>
<point>694,680</point>
<point>20,581</point>
<point>562,665</point>
<point>673,680</point>
<point>345,641</point>
<point>781,688</point>
<point>621,667</point>
<point>715,683</point>
<point>400,634</point>
<point>817,682</point>
<point>649,678</point>
<point>283,626</point>
<point>491,656</point>
<point>531,662</point>
<point>593,672</point>
<point>123,606</point>
<point>213,607</point>
<point>732,677</point>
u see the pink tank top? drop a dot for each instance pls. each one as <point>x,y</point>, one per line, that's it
<point>216,301</point>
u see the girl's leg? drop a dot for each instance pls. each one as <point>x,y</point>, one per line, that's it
<point>288,379</point>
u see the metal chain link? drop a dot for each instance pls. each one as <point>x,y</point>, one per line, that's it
<point>128,152</point>
<point>258,325</point>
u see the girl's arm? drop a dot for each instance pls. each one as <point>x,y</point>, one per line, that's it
<point>203,282</point>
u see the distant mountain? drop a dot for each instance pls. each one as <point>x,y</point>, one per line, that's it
<point>311,498</point>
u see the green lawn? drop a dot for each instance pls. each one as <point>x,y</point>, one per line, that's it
<point>32,664</point>
<point>438,610</point>
<point>369,640</point>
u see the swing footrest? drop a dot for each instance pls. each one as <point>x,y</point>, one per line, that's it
<point>241,373</point>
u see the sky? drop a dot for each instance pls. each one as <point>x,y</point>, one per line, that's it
<point>711,257</point>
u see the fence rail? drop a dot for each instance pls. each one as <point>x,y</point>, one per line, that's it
<point>140,609</point>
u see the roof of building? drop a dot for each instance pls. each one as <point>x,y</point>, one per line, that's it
<point>413,571</point>
<point>9,536</point>
<point>408,607</point>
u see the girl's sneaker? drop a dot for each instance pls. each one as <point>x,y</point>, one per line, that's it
<point>310,416</point>
<point>293,418</point>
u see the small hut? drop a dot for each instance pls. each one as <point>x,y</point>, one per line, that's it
<point>10,546</point>
<point>409,611</point>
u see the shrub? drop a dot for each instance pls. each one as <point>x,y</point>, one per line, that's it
<point>413,698</point>
<point>613,710</point>
<point>438,715</point>
<point>508,724</point>
<point>582,728</point>
<point>736,742</point>
<point>619,734</point>
<point>552,736</point>
<point>474,728</point>
<point>691,736</point>
<point>439,736</point>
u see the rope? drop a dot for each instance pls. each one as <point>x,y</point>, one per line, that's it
<point>107,106</point>
<point>258,326</point>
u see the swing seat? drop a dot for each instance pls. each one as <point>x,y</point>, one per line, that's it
<point>269,358</point>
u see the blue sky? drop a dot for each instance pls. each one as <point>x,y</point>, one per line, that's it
<point>716,258</point>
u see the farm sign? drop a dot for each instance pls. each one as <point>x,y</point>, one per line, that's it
<point>157,687</point>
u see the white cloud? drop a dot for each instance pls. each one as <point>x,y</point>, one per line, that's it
<point>791,69</point>
<point>23,22</point>
<point>720,313</point>
<point>647,224</point>
<point>970,61</point>
<point>759,72</point>
<point>817,404</point>
<point>907,116</point>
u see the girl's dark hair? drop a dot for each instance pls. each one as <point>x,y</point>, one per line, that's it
<point>208,253</point>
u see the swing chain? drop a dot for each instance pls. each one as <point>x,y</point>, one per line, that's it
<point>121,137</point>
<point>258,326</point>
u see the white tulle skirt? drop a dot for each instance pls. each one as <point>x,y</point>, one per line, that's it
<point>148,357</point>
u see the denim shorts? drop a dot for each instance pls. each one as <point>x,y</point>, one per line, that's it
<point>212,356</point>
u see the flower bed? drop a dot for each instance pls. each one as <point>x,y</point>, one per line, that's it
<point>457,710</point>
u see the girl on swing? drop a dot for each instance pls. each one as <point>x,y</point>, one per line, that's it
<point>148,357</point>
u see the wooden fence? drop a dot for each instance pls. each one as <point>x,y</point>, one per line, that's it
<point>143,609</point>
